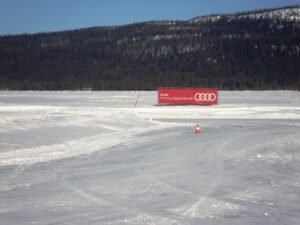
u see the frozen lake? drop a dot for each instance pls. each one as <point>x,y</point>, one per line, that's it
<point>94,158</point>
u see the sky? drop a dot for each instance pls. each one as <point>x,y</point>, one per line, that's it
<point>34,16</point>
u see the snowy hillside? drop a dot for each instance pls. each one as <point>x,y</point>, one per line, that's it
<point>256,50</point>
<point>287,14</point>
<point>94,158</point>
<point>283,14</point>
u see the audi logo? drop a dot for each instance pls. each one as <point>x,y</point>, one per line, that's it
<point>205,97</point>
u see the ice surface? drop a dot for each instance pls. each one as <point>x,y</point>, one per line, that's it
<point>94,158</point>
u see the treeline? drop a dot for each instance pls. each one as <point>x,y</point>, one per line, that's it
<point>225,52</point>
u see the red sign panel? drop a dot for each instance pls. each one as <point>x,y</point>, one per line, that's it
<point>175,96</point>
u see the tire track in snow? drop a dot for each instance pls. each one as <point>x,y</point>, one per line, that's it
<point>193,210</point>
<point>139,216</point>
<point>73,148</point>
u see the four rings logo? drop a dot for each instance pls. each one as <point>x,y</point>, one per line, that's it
<point>205,97</point>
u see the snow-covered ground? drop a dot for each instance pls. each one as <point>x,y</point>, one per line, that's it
<point>92,158</point>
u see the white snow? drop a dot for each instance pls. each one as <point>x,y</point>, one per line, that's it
<point>289,14</point>
<point>94,158</point>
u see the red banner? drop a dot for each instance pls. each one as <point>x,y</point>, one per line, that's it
<point>176,96</point>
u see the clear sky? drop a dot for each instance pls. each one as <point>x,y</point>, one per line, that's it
<point>32,16</point>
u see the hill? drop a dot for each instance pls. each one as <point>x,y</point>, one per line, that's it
<point>247,50</point>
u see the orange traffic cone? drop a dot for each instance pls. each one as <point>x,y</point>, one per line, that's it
<point>197,130</point>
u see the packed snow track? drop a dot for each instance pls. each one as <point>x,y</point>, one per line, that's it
<point>95,158</point>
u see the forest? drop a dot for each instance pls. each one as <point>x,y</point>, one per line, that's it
<point>257,50</point>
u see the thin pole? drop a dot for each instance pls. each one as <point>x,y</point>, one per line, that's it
<point>136,102</point>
